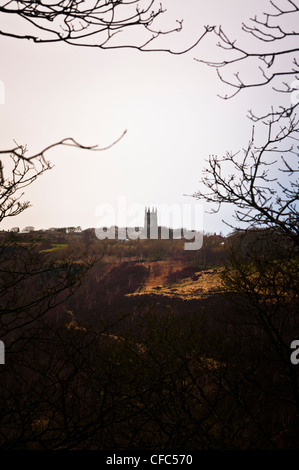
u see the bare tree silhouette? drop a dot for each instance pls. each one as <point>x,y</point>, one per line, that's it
<point>260,181</point>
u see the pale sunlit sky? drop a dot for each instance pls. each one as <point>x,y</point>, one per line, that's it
<point>167,103</point>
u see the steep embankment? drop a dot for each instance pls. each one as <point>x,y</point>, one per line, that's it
<point>168,278</point>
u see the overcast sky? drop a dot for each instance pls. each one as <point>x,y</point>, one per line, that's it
<point>167,103</point>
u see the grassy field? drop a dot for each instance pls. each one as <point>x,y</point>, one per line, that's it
<point>55,247</point>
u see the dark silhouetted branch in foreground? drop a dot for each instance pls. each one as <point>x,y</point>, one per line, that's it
<point>275,58</point>
<point>92,24</point>
<point>19,151</point>
<point>25,170</point>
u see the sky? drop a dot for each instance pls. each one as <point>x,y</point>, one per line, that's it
<point>168,104</point>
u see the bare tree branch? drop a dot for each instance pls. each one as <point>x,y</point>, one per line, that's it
<point>275,36</point>
<point>19,151</point>
<point>92,24</point>
<point>26,169</point>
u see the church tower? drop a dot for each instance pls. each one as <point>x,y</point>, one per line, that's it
<point>151,223</point>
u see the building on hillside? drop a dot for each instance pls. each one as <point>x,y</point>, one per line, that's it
<point>73,230</point>
<point>28,229</point>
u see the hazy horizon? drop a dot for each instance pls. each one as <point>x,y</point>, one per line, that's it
<point>168,104</point>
